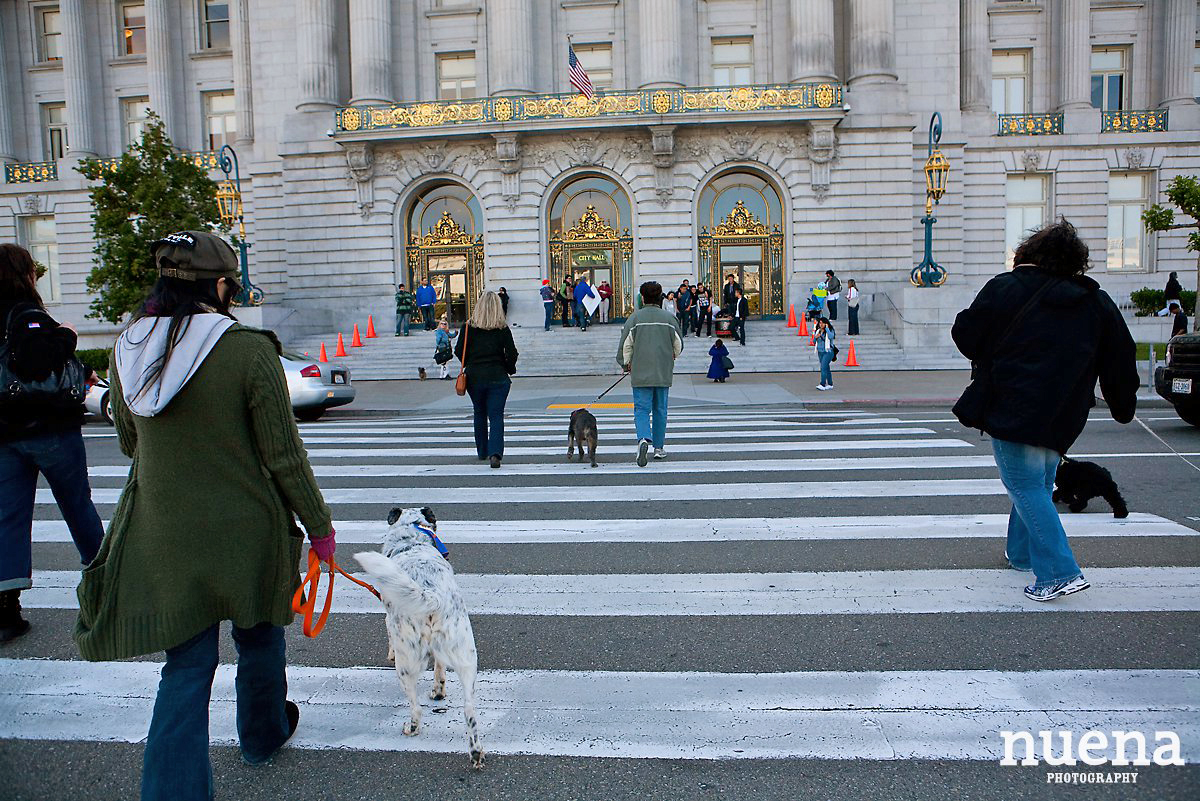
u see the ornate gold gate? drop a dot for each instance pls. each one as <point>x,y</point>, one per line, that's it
<point>742,245</point>
<point>452,260</point>
<point>594,248</point>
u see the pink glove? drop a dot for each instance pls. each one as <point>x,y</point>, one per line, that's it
<point>325,546</point>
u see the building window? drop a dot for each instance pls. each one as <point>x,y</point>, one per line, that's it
<point>37,236</point>
<point>1196,71</point>
<point>1109,83</point>
<point>134,111</point>
<point>1010,82</point>
<point>215,33</point>
<point>732,61</point>
<point>54,123</point>
<point>133,29</point>
<point>597,59</point>
<point>1128,198</point>
<point>456,75</point>
<point>1027,208</point>
<point>220,122</point>
<point>49,33</point>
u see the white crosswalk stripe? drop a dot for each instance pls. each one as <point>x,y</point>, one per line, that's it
<point>807,462</point>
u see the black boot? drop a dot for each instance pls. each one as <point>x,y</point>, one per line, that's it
<point>12,625</point>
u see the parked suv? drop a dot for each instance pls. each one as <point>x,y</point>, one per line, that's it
<point>1179,379</point>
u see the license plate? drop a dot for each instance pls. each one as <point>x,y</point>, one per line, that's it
<point>338,378</point>
<point>1181,386</point>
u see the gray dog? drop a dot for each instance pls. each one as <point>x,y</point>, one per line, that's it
<point>582,431</point>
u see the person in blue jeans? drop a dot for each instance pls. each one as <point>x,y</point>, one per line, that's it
<point>824,336</point>
<point>426,300</point>
<point>583,290</point>
<point>489,357</point>
<point>42,438</point>
<point>1039,337</point>
<point>650,342</point>
<point>547,301</point>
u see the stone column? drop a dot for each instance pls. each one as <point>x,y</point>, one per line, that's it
<point>510,47</point>
<point>243,89</point>
<point>661,33</point>
<point>1074,52</point>
<point>812,41</point>
<point>8,148</point>
<point>1178,43</point>
<point>872,42</point>
<point>371,52</point>
<point>161,75</point>
<point>975,57</point>
<point>316,49</point>
<point>77,74</point>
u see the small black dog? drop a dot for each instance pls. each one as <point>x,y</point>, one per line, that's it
<point>584,432</point>
<point>1078,482</point>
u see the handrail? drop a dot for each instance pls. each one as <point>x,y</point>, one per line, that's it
<point>900,314</point>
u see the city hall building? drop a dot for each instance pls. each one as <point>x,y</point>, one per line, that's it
<point>385,141</point>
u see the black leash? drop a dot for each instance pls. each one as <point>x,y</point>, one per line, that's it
<point>610,389</point>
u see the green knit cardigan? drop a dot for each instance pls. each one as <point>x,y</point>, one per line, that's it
<point>204,530</point>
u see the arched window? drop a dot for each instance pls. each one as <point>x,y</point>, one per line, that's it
<point>443,232</point>
<point>741,234</point>
<point>589,224</point>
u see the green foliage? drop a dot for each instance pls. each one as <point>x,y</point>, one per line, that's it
<point>1143,351</point>
<point>1184,192</point>
<point>95,358</point>
<point>152,191</point>
<point>1150,301</point>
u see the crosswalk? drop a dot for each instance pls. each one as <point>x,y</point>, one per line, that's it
<point>705,607</point>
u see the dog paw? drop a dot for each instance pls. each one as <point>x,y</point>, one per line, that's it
<point>437,695</point>
<point>1120,515</point>
<point>477,760</point>
<point>411,729</point>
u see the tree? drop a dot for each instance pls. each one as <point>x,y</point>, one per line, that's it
<point>151,191</point>
<point>1184,192</point>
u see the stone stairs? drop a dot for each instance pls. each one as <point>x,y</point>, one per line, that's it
<point>568,351</point>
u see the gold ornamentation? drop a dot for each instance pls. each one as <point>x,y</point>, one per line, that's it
<point>1133,121</point>
<point>503,109</point>
<point>591,227</point>
<point>445,233</point>
<point>824,96</point>
<point>351,119</point>
<point>660,102</point>
<point>740,222</point>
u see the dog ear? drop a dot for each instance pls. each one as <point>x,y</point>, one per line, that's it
<point>429,516</point>
<point>394,515</point>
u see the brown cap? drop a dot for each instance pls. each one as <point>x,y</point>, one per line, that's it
<point>193,256</point>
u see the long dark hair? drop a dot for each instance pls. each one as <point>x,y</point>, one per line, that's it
<point>18,276</point>
<point>173,301</point>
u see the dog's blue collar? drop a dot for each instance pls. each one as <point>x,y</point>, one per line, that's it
<point>433,537</point>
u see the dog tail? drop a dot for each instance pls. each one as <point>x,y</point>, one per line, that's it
<point>395,585</point>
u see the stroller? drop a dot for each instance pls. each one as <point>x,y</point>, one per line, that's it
<point>814,308</point>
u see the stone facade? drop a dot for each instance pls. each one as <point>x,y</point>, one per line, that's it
<point>328,205</point>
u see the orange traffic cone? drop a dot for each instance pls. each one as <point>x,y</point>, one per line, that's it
<point>370,327</point>
<point>803,332</point>
<point>356,341</point>
<point>323,357</point>
<point>341,348</point>
<point>851,358</point>
<point>791,315</point>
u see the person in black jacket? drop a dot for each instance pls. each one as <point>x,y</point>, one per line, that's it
<point>1038,338</point>
<point>489,356</point>
<point>36,439</point>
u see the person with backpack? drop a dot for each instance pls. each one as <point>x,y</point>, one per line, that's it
<point>583,290</point>
<point>204,531</point>
<point>547,301</point>
<point>39,433</point>
<point>406,304</point>
<point>566,299</point>
<point>1039,337</point>
<point>826,351</point>
<point>833,288</point>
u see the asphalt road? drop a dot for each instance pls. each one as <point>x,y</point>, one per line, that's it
<point>698,533</point>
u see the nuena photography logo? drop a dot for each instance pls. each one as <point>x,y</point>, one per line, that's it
<point>1093,749</point>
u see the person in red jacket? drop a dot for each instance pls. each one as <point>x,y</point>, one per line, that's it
<point>606,294</point>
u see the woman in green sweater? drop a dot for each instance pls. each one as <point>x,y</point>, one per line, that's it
<point>204,530</point>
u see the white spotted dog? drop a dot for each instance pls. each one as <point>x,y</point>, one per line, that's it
<point>426,616</point>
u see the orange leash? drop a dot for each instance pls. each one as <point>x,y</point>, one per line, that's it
<point>305,603</point>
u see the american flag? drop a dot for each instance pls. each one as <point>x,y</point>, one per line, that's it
<point>578,75</point>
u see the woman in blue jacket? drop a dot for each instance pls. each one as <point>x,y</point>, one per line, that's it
<point>825,336</point>
<point>717,370</point>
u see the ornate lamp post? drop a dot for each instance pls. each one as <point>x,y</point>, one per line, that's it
<point>929,273</point>
<point>229,199</point>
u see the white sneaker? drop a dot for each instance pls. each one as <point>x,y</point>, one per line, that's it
<point>822,387</point>
<point>660,453</point>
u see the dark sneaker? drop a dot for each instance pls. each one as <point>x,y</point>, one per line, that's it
<point>643,452</point>
<point>12,625</point>
<point>293,718</point>
<point>1056,590</point>
<point>494,460</point>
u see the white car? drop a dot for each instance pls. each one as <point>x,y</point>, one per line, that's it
<point>313,387</point>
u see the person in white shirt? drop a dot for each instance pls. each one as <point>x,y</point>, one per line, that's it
<point>852,296</point>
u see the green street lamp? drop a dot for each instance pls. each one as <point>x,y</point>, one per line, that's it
<point>229,201</point>
<point>929,273</point>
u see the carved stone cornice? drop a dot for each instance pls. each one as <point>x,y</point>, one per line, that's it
<point>822,152</point>
<point>360,161</point>
<point>508,153</point>
<point>662,145</point>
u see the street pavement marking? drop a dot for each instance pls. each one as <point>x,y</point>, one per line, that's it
<point>590,406</point>
<point>628,493</point>
<point>560,426</point>
<point>731,529</point>
<point>882,715</point>
<point>516,436</point>
<point>874,592</point>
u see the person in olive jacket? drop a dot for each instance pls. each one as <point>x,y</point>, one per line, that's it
<point>489,356</point>
<point>1038,339</point>
<point>406,304</point>
<point>203,531</point>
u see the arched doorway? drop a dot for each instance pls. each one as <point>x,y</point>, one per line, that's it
<point>589,226</point>
<point>741,218</point>
<point>445,245</point>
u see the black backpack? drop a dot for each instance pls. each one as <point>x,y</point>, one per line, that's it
<point>65,386</point>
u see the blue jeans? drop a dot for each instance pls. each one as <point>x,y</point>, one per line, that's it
<point>61,458</point>
<point>647,401</point>
<point>581,314</point>
<point>1035,534</point>
<point>176,765</point>
<point>402,324</point>
<point>488,400</point>
<point>826,359</point>
<point>549,304</point>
